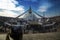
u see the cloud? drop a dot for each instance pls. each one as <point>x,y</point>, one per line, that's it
<point>44,7</point>
<point>8,13</point>
<point>8,6</point>
<point>31,0</point>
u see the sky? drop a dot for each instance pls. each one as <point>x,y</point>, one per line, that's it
<point>13,8</point>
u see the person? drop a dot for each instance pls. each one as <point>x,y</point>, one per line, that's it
<point>15,33</point>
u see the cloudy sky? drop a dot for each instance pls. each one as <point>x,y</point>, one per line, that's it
<point>12,8</point>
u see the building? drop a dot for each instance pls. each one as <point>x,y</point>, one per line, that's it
<point>33,22</point>
<point>36,23</point>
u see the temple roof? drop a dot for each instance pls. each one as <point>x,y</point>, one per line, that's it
<point>29,14</point>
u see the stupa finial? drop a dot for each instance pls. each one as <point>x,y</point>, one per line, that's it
<point>30,10</point>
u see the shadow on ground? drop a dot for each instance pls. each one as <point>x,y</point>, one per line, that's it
<point>38,36</point>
